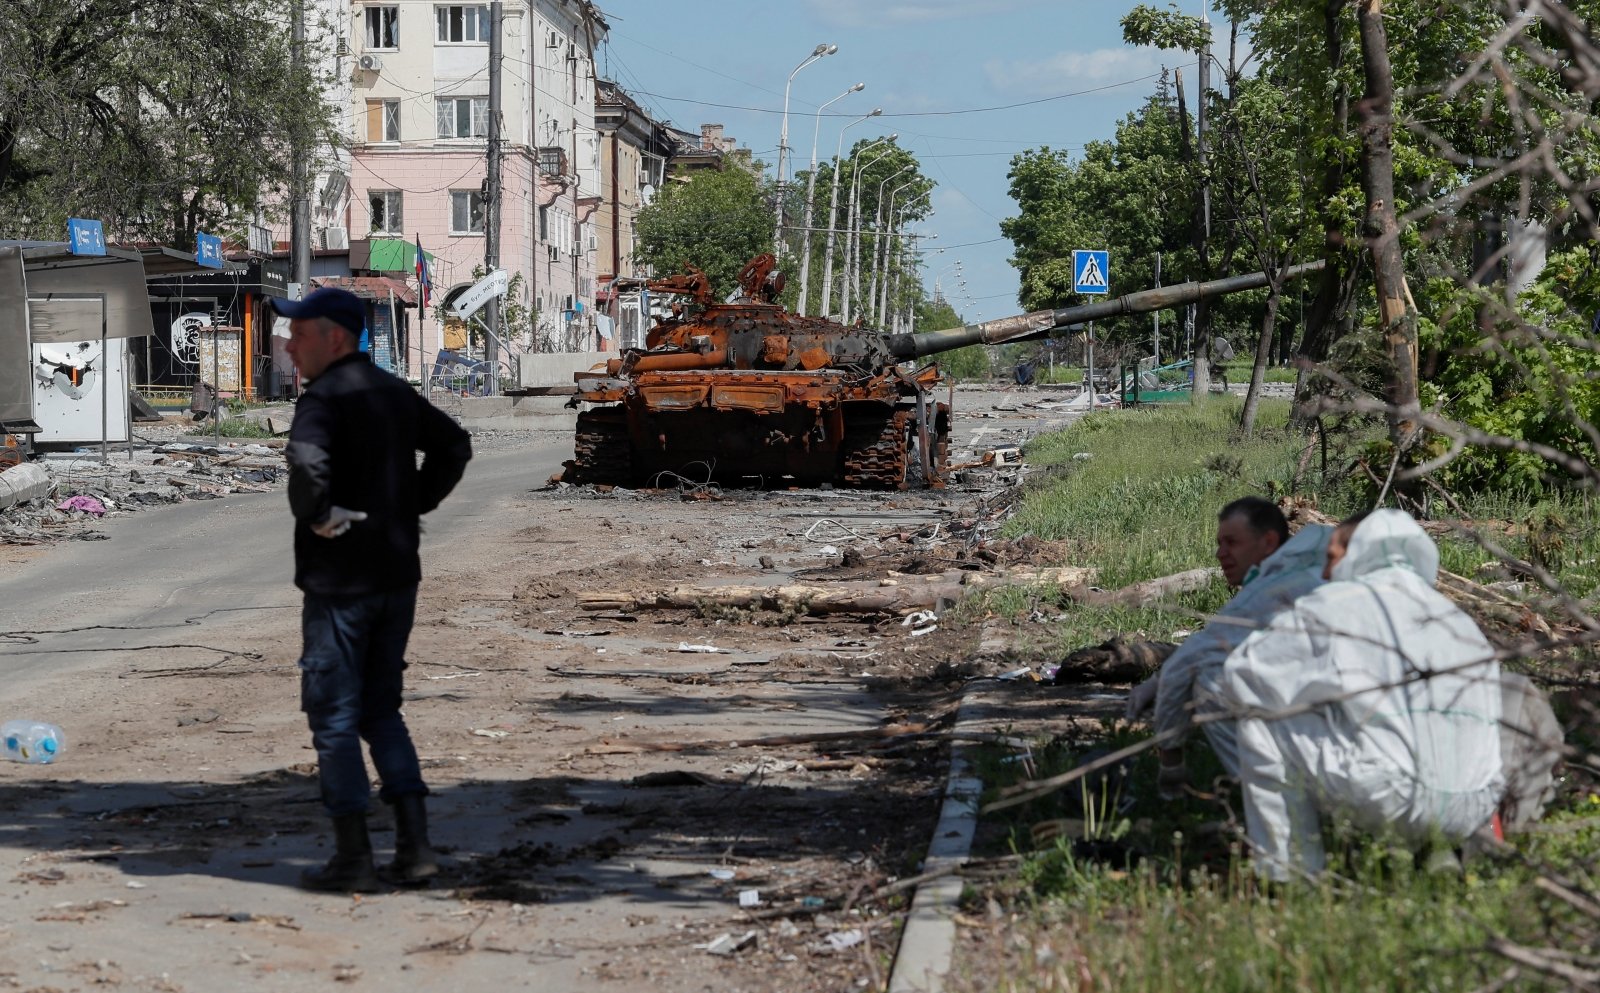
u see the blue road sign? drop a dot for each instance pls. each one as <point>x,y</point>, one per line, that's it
<point>208,250</point>
<point>85,237</point>
<point>1091,271</point>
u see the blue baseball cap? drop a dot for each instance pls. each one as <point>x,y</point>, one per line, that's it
<point>339,306</point>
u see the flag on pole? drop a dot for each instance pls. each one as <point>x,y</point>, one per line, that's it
<point>424,278</point>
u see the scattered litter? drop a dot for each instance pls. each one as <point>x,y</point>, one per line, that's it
<point>749,898</point>
<point>827,550</point>
<point>727,944</point>
<point>1015,674</point>
<point>921,622</point>
<point>491,733</point>
<point>454,675</point>
<point>813,902</point>
<point>684,646</point>
<point>840,940</point>
<point>134,884</point>
<point>576,634</point>
<point>1082,456</point>
<point>87,504</point>
<point>723,874</point>
<point>1007,456</point>
<point>673,777</point>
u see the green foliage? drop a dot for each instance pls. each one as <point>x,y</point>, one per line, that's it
<point>159,117</point>
<point>1143,503</point>
<point>1535,379</point>
<point>1165,29</point>
<point>716,221</point>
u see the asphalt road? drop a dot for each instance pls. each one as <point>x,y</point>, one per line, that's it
<point>213,560</point>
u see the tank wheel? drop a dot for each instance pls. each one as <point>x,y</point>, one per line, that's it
<point>874,451</point>
<point>602,450</point>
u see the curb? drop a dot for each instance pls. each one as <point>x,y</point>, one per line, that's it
<point>927,943</point>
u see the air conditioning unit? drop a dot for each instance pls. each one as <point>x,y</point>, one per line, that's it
<point>335,237</point>
<point>343,48</point>
<point>370,63</point>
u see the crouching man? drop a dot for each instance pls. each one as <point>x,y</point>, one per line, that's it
<point>1272,570</point>
<point>1373,698</point>
<point>357,492</point>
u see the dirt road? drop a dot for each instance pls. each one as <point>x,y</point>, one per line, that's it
<point>595,789</point>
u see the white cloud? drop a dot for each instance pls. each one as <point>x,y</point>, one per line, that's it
<point>1068,71</point>
<point>858,14</point>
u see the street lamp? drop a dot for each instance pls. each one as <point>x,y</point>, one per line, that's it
<point>833,207</point>
<point>820,51</point>
<point>887,317</point>
<point>811,185</point>
<point>886,239</point>
<point>877,243</point>
<point>852,267</point>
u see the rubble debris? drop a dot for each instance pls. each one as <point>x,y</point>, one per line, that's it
<point>87,504</point>
<point>22,483</point>
<point>840,598</point>
<point>1113,661</point>
<point>727,944</point>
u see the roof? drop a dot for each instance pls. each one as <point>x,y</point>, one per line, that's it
<point>371,287</point>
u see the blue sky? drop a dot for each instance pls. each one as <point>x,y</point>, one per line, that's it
<point>725,62</point>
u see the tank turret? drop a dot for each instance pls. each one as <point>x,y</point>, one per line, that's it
<point>745,390</point>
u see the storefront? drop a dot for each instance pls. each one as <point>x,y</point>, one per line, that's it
<point>217,324</point>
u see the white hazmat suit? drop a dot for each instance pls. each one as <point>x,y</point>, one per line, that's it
<point>1402,732</point>
<point>1188,682</point>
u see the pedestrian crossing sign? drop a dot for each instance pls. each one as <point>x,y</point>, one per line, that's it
<point>1091,271</point>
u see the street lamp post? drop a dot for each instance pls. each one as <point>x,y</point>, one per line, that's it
<point>880,299</point>
<point>877,243</point>
<point>833,207</point>
<point>811,186</point>
<point>852,261</point>
<point>820,51</point>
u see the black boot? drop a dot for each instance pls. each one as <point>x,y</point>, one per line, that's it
<point>350,870</point>
<point>414,859</point>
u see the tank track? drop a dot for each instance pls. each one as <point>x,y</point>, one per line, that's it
<point>602,451</point>
<point>875,451</point>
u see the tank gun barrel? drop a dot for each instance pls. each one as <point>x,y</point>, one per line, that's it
<point>1041,323</point>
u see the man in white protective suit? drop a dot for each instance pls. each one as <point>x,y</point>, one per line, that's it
<point>1374,698</point>
<point>1186,685</point>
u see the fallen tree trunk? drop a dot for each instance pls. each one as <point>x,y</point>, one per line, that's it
<point>1150,591</point>
<point>815,600</point>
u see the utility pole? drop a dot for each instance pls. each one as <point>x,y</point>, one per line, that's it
<point>1155,338</point>
<point>491,208</point>
<point>300,196</point>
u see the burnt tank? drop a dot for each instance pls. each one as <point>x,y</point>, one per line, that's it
<point>745,390</point>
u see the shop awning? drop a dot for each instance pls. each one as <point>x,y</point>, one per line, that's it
<point>371,287</point>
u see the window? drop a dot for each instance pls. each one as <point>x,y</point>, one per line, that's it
<point>544,223</point>
<point>463,117</point>
<point>466,212</point>
<point>383,26</point>
<point>385,206</point>
<point>461,23</point>
<point>383,120</point>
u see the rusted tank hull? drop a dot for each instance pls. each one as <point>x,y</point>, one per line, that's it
<point>772,429</point>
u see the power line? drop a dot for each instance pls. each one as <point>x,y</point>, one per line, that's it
<point>917,113</point>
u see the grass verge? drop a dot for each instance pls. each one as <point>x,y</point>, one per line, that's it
<point>1141,894</point>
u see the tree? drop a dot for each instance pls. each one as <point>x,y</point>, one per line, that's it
<point>161,117</point>
<point>716,221</point>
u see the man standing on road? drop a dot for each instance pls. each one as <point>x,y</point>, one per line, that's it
<point>1271,571</point>
<point>357,493</point>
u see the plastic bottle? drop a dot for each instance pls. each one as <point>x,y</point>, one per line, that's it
<point>31,741</point>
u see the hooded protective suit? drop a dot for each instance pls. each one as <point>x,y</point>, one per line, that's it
<point>1191,674</point>
<point>1402,732</point>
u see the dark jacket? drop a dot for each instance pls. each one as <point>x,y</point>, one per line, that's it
<point>353,444</point>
